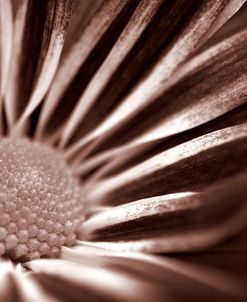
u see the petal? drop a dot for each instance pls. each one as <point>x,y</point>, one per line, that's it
<point>83,60</point>
<point>235,24</point>
<point>143,73</point>
<point>82,13</point>
<point>170,277</point>
<point>8,289</point>
<point>30,291</point>
<point>79,281</point>
<point>123,157</point>
<point>211,84</point>
<point>172,223</point>
<point>6,28</point>
<point>39,34</point>
<point>192,165</point>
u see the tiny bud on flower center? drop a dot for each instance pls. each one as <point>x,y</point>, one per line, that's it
<point>40,202</point>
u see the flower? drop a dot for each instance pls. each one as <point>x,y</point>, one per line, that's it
<point>123,150</point>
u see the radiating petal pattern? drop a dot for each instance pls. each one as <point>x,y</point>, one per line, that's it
<point>158,63</point>
<point>39,34</point>
<point>85,57</point>
<point>188,32</point>
<point>185,167</point>
<point>146,101</point>
<point>171,277</point>
<point>172,223</point>
<point>106,284</point>
<point>205,91</point>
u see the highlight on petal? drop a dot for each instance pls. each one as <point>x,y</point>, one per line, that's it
<point>81,15</point>
<point>173,223</point>
<point>30,291</point>
<point>192,165</point>
<point>170,276</point>
<point>138,22</point>
<point>203,90</point>
<point>6,28</point>
<point>137,83</point>
<point>123,157</point>
<point>39,34</point>
<point>83,60</point>
<point>145,77</point>
<point>87,281</point>
<point>8,290</point>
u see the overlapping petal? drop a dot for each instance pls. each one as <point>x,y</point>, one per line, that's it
<point>203,91</point>
<point>172,277</point>
<point>39,34</point>
<point>151,55</point>
<point>192,165</point>
<point>87,281</point>
<point>155,121</point>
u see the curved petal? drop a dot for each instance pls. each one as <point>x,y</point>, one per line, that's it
<point>170,276</point>
<point>135,84</point>
<point>83,60</point>
<point>39,34</point>
<point>86,281</point>
<point>203,91</point>
<point>189,166</point>
<point>115,160</point>
<point>173,223</point>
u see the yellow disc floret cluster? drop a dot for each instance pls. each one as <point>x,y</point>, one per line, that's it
<point>40,203</point>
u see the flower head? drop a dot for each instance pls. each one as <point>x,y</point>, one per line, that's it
<point>123,140</point>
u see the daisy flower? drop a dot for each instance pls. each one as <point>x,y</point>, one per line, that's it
<point>123,145</point>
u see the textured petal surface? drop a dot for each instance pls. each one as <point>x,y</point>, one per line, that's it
<point>186,167</point>
<point>205,91</point>
<point>182,38</point>
<point>149,107</point>
<point>172,223</point>
<point>39,34</point>
<point>83,60</point>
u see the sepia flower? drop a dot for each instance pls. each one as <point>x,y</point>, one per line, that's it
<point>123,164</point>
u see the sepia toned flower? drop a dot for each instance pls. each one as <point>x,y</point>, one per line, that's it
<point>123,164</point>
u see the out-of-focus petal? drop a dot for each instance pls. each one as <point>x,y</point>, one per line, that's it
<point>6,28</point>
<point>29,290</point>
<point>39,34</point>
<point>82,13</point>
<point>169,277</point>
<point>8,289</point>
<point>86,281</point>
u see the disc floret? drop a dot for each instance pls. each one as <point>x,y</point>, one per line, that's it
<point>40,200</point>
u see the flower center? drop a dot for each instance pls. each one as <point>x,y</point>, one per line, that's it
<point>40,203</point>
